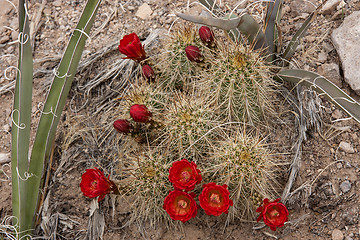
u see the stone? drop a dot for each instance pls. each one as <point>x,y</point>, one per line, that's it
<point>57,3</point>
<point>330,7</point>
<point>4,39</point>
<point>5,157</point>
<point>350,216</point>
<point>346,147</point>
<point>322,57</point>
<point>331,71</point>
<point>303,6</point>
<point>337,114</point>
<point>144,11</point>
<point>345,186</point>
<point>346,39</point>
<point>337,235</point>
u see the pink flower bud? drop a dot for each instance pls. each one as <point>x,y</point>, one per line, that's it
<point>140,113</point>
<point>206,36</point>
<point>193,54</point>
<point>122,125</point>
<point>148,73</point>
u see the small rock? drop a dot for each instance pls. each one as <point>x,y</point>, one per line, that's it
<point>303,6</point>
<point>348,238</point>
<point>337,235</point>
<point>339,165</point>
<point>131,8</point>
<point>345,39</point>
<point>5,157</point>
<point>346,147</point>
<point>331,72</point>
<point>345,186</point>
<point>330,6</point>
<point>322,57</point>
<point>350,216</point>
<point>144,11</point>
<point>337,114</point>
<point>4,39</point>
<point>57,3</point>
<point>6,127</point>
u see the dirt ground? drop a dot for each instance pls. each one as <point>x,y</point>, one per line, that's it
<point>325,200</point>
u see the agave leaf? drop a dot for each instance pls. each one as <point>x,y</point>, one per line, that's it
<point>251,30</point>
<point>51,113</point>
<point>212,7</point>
<point>21,117</point>
<point>324,87</point>
<point>295,41</point>
<point>272,20</point>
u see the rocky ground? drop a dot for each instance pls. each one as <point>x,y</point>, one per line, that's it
<point>325,200</point>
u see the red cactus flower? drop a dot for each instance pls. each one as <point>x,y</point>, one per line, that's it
<point>184,175</point>
<point>275,214</point>
<point>180,205</point>
<point>94,183</point>
<point>148,73</point>
<point>131,46</point>
<point>140,113</point>
<point>122,126</point>
<point>207,36</point>
<point>214,199</point>
<point>193,53</point>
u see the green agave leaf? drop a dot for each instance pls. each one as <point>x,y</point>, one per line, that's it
<point>272,20</point>
<point>45,135</point>
<point>295,41</point>
<point>21,117</point>
<point>247,26</point>
<point>212,7</point>
<point>322,86</point>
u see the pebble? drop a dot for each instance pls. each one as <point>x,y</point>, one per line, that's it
<point>5,157</point>
<point>345,186</point>
<point>144,11</point>
<point>350,216</point>
<point>348,238</point>
<point>322,57</point>
<point>346,147</point>
<point>4,39</point>
<point>57,3</point>
<point>330,6</point>
<point>331,71</point>
<point>337,235</point>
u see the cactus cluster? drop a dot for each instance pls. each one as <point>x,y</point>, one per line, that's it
<point>205,97</point>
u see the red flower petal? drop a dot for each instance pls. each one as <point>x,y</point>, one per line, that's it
<point>214,199</point>
<point>184,175</point>
<point>131,46</point>
<point>180,206</point>
<point>275,214</point>
<point>94,184</point>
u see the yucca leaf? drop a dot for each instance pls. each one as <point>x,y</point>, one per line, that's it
<point>246,25</point>
<point>324,87</point>
<point>21,117</point>
<point>25,206</point>
<point>272,20</point>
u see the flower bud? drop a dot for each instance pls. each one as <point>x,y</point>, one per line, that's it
<point>193,54</point>
<point>140,113</point>
<point>207,36</point>
<point>122,126</point>
<point>148,73</point>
